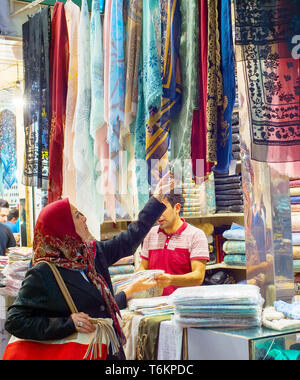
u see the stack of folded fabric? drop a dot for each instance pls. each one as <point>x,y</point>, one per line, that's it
<point>236,137</point>
<point>218,306</point>
<point>194,197</point>
<point>3,263</point>
<point>14,273</point>
<point>235,247</point>
<point>123,267</point>
<point>296,250</point>
<point>295,209</point>
<point>123,280</point>
<point>151,306</point>
<point>229,193</point>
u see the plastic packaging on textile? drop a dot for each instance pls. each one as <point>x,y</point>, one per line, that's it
<point>142,303</point>
<point>236,232</point>
<point>234,246</point>
<point>290,310</point>
<point>233,294</point>
<point>215,322</point>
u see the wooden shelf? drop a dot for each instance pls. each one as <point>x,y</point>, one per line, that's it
<point>240,267</point>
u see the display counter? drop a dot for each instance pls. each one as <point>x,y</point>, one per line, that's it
<point>250,344</point>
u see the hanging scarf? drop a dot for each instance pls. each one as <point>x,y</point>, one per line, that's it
<point>56,241</point>
<point>59,67</point>
<point>201,167</point>
<point>36,51</point>
<point>189,56</point>
<point>158,124</point>
<point>83,151</point>
<point>69,172</point>
<point>224,133</point>
<point>214,81</point>
<point>265,53</point>
<point>8,157</point>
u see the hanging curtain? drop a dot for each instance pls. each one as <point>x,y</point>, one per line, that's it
<point>8,156</point>
<point>158,124</point>
<point>83,152</point>
<point>69,172</point>
<point>36,50</point>
<point>200,165</point>
<point>59,66</point>
<point>181,130</point>
<point>224,133</point>
<point>270,73</point>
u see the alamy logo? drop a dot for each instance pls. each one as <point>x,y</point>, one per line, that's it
<point>296,49</point>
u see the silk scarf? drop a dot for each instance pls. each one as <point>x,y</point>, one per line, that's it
<point>8,157</point>
<point>267,57</point>
<point>59,67</point>
<point>69,172</point>
<point>36,55</point>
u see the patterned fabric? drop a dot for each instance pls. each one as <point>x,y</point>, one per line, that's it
<point>224,133</point>
<point>36,53</point>
<point>264,35</point>
<point>181,130</point>
<point>69,173</point>
<point>59,67</point>
<point>8,157</point>
<point>214,80</point>
<point>158,124</point>
<point>56,241</point>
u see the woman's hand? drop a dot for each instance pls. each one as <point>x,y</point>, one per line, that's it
<point>82,323</point>
<point>164,186</point>
<point>138,286</point>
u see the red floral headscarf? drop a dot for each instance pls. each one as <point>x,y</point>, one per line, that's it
<point>56,241</point>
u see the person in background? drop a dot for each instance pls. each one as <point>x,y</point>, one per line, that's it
<point>4,210</point>
<point>176,247</point>
<point>7,239</point>
<point>13,221</point>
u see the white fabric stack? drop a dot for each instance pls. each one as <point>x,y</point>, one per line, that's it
<point>218,306</point>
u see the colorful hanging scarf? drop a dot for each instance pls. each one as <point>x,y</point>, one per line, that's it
<point>224,138</point>
<point>69,172</point>
<point>8,157</point>
<point>158,125</point>
<point>200,165</point>
<point>214,81</point>
<point>56,241</point>
<point>181,130</point>
<point>267,55</point>
<point>59,68</point>
<point>97,124</point>
<point>83,143</point>
<point>36,52</point>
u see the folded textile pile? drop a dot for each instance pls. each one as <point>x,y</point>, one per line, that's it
<point>236,150</point>
<point>199,199</point>
<point>234,247</point>
<point>276,318</point>
<point>151,306</point>
<point>123,280</point>
<point>3,263</point>
<point>218,306</point>
<point>229,193</point>
<point>295,210</point>
<point>14,273</point>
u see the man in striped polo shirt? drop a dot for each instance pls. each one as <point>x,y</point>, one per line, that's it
<point>177,247</point>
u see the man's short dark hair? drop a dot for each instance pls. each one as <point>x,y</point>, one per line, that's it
<point>174,197</point>
<point>13,213</point>
<point>4,204</point>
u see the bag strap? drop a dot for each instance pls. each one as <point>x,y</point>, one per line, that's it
<point>63,288</point>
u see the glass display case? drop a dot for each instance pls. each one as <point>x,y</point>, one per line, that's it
<point>250,344</point>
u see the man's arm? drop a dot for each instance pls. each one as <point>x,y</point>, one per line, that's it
<point>194,278</point>
<point>144,265</point>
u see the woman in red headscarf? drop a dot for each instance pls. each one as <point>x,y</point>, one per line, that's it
<point>61,237</point>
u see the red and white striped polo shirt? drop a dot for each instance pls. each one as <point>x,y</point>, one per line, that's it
<point>173,253</point>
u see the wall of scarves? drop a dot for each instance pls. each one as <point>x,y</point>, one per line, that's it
<point>116,100</point>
